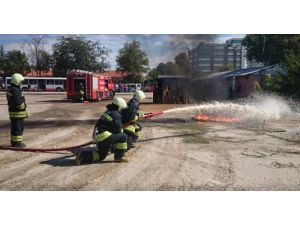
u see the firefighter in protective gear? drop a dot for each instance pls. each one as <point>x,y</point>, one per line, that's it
<point>130,117</point>
<point>81,92</point>
<point>109,133</point>
<point>17,110</point>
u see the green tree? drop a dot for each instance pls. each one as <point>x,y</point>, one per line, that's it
<point>2,55</point>
<point>15,62</point>
<point>152,75</point>
<point>132,60</point>
<point>75,52</point>
<point>268,48</point>
<point>45,61</point>
<point>161,69</point>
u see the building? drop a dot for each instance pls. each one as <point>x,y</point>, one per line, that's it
<point>171,90</point>
<point>241,83</point>
<point>211,57</point>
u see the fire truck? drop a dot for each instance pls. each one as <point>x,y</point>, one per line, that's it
<point>96,87</point>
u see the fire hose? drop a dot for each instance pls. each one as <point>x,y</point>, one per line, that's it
<point>145,116</point>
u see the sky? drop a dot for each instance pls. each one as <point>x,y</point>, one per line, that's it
<point>158,47</point>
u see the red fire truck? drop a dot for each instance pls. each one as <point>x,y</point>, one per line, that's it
<point>95,86</point>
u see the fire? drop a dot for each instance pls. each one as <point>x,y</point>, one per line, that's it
<point>212,118</point>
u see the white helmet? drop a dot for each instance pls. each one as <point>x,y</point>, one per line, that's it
<point>120,102</point>
<point>16,79</point>
<point>139,95</point>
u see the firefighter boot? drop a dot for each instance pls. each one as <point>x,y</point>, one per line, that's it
<point>120,156</point>
<point>18,144</point>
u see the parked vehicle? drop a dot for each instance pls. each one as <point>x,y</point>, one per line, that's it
<point>41,83</point>
<point>95,86</point>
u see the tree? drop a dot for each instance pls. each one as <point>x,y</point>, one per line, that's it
<point>45,61</point>
<point>15,62</point>
<point>183,63</point>
<point>268,48</point>
<point>36,44</point>
<point>152,75</point>
<point>132,60</point>
<point>75,52</point>
<point>161,69</point>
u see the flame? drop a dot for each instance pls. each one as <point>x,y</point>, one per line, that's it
<point>211,118</point>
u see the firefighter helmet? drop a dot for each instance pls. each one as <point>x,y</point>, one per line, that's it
<point>120,102</point>
<point>139,95</point>
<point>16,79</point>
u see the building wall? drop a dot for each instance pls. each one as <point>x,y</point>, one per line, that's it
<point>210,57</point>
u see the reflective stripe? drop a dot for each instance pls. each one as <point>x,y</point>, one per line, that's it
<point>137,133</point>
<point>95,156</point>
<point>121,146</point>
<point>122,131</point>
<point>102,136</point>
<point>108,117</point>
<point>9,94</point>
<point>21,114</point>
<point>130,128</point>
<point>136,118</point>
<point>16,138</point>
<point>22,106</point>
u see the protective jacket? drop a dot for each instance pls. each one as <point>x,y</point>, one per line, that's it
<point>16,103</point>
<point>130,113</point>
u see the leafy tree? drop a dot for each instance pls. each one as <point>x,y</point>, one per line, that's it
<point>15,62</point>
<point>2,55</point>
<point>268,48</point>
<point>45,61</point>
<point>75,52</point>
<point>272,49</point>
<point>161,69</point>
<point>132,60</point>
<point>152,75</point>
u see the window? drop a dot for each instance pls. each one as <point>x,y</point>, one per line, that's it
<point>59,82</point>
<point>33,81</point>
<point>50,82</point>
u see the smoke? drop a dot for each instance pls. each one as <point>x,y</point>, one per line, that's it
<point>260,107</point>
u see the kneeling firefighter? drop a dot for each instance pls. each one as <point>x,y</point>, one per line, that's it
<point>17,110</point>
<point>108,134</point>
<point>130,117</point>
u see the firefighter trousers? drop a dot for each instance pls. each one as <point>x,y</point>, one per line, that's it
<point>118,141</point>
<point>133,133</point>
<point>17,128</point>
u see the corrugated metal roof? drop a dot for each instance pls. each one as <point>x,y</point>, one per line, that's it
<point>253,70</point>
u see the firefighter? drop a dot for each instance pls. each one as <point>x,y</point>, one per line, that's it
<point>130,116</point>
<point>17,110</point>
<point>81,91</point>
<point>109,132</point>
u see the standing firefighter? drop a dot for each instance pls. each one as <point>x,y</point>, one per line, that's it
<point>130,116</point>
<point>16,109</point>
<point>82,92</point>
<point>108,134</point>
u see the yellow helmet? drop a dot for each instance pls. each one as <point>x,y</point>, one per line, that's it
<point>16,79</point>
<point>120,102</point>
<point>139,95</point>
